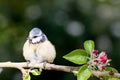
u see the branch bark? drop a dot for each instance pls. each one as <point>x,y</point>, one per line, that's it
<point>71,69</point>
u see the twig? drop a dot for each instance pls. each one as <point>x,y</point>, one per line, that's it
<point>23,65</point>
<point>105,73</point>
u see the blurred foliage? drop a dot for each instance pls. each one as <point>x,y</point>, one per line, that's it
<point>67,24</point>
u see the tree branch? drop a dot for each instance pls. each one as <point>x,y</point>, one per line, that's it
<point>23,65</point>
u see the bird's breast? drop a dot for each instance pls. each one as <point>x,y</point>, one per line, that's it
<point>34,47</point>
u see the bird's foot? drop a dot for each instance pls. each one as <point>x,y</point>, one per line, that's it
<point>44,64</point>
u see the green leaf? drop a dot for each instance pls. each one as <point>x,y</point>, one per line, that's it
<point>27,77</point>
<point>111,69</point>
<point>89,46</point>
<point>84,73</point>
<point>110,78</point>
<point>35,72</point>
<point>77,56</point>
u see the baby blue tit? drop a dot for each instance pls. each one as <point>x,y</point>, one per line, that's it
<point>38,48</point>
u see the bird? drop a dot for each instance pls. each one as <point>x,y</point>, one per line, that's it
<point>38,48</point>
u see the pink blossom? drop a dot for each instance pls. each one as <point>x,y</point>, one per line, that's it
<point>96,61</point>
<point>103,57</point>
<point>95,52</point>
<point>101,67</point>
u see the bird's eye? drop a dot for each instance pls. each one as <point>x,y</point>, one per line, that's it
<point>34,36</point>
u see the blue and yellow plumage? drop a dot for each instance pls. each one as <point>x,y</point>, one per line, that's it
<point>38,48</point>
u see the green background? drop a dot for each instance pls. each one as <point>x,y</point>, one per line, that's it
<point>67,24</point>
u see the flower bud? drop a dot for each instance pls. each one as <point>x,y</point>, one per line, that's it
<point>96,61</point>
<point>95,53</point>
<point>101,67</point>
<point>103,57</point>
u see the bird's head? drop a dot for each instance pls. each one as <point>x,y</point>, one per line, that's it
<point>36,36</point>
